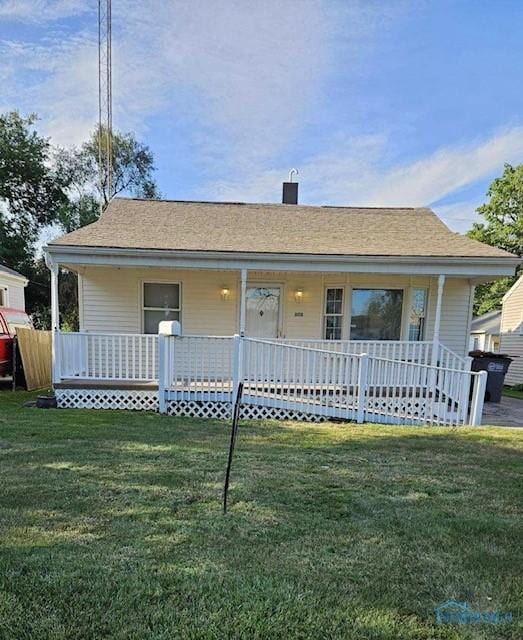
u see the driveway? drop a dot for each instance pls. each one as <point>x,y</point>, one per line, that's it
<point>507,413</point>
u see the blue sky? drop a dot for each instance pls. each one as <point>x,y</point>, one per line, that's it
<point>377,103</point>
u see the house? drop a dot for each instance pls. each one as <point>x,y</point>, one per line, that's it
<point>484,332</point>
<point>12,288</point>
<point>295,282</point>
<point>511,341</point>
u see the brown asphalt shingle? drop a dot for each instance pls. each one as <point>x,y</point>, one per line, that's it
<point>275,228</point>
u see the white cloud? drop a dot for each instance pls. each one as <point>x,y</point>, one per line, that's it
<point>245,75</point>
<point>354,172</point>
<point>459,215</point>
<point>448,170</point>
<point>42,10</point>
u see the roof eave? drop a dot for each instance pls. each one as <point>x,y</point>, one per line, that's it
<point>477,265</point>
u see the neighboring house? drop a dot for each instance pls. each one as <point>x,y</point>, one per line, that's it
<point>12,288</point>
<point>485,332</point>
<point>512,331</point>
<point>393,282</point>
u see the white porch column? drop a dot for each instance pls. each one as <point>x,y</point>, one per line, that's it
<point>55,308</point>
<point>437,321</point>
<point>243,301</point>
<point>55,321</point>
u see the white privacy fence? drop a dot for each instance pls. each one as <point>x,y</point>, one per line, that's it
<point>393,382</point>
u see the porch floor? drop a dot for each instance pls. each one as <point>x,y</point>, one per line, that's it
<point>120,385</point>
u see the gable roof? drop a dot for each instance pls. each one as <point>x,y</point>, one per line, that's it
<point>11,272</point>
<point>489,323</point>
<point>130,223</point>
<point>513,288</point>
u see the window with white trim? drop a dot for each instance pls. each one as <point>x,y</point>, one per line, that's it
<point>161,301</point>
<point>417,314</point>
<point>3,297</point>
<point>333,313</point>
<point>376,314</point>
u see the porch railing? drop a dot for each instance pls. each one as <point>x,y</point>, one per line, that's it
<point>392,382</point>
<point>107,356</point>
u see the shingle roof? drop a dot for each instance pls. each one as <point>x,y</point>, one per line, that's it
<point>275,228</point>
<point>11,272</point>
<point>487,323</point>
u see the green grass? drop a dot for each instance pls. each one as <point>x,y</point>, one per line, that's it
<point>111,527</point>
<point>513,393</point>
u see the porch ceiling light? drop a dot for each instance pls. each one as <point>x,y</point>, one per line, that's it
<point>225,293</point>
<point>298,295</point>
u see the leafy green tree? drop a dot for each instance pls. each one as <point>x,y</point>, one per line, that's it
<point>132,173</point>
<point>31,191</point>
<point>503,228</point>
<point>32,194</point>
<point>87,188</point>
<point>40,186</point>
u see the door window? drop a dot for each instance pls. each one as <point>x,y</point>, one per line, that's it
<point>262,312</point>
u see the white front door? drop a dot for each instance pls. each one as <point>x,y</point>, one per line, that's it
<point>262,312</point>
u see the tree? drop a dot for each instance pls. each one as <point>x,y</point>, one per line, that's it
<point>40,185</point>
<point>31,196</point>
<point>503,228</point>
<point>133,168</point>
<point>31,191</point>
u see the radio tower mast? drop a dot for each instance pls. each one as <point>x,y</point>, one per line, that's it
<point>105,99</point>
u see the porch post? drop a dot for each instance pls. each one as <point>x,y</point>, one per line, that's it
<point>55,323</point>
<point>55,309</point>
<point>243,293</point>
<point>437,321</point>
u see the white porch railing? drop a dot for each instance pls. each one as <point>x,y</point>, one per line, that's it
<point>107,356</point>
<point>404,350</point>
<point>393,382</point>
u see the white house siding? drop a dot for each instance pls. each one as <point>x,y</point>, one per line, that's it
<point>512,332</point>
<point>456,314</point>
<point>111,300</point>
<point>15,292</point>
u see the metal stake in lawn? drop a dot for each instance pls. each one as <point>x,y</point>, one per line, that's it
<point>234,432</point>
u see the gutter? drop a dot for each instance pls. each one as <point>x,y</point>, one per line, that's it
<point>72,250</point>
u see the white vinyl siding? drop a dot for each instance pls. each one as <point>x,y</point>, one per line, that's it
<point>14,294</point>
<point>456,314</point>
<point>511,338</point>
<point>111,300</point>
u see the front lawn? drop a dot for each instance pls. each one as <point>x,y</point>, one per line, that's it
<point>513,393</point>
<point>111,527</point>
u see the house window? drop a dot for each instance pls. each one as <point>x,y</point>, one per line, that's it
<point>376,314</point>
<point>3,297</point>
<point>333,316</point>
<point>161,301</point>
<point>418,310</point>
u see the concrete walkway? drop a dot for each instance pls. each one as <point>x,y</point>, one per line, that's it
<point>508,413</point>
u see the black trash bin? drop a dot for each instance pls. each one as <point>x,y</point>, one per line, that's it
<point>496,365</point>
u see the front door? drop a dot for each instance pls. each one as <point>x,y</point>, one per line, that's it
<point>262,312</point>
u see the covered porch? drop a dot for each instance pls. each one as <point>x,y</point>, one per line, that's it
<point>299,338</point>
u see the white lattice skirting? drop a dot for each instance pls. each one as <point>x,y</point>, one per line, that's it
<point>148,401</point>
<point>195,409</point>
<point>107,399</point>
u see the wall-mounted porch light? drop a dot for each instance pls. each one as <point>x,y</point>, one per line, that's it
<point>225,293</point>
<point>298,295</point>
